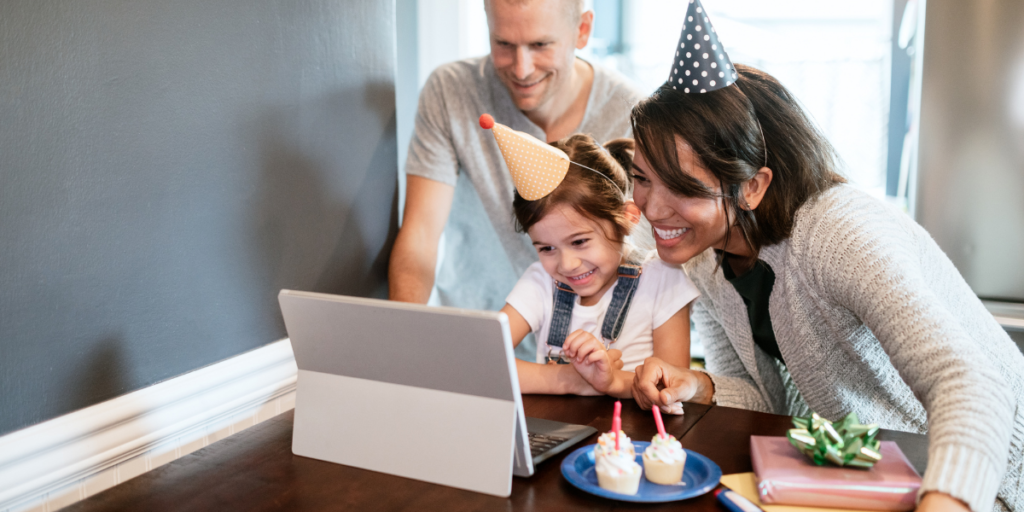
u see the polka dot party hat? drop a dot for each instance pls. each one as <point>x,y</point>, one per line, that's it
<point>701,64</point>
<point>536,167</point>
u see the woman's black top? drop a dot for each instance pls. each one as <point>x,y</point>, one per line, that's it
<point>755,286</point>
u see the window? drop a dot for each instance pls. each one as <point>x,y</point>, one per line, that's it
<point>834,56</point>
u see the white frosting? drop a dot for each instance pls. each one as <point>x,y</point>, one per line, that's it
<point>617,463</point>
<point>606,444</point>
<point>667,450</point>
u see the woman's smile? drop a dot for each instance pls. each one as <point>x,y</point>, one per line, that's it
<point>666,238</point>
<point>669,234</point>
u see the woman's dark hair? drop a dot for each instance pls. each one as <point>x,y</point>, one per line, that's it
<point>591,195</point>
<point>722,128</point>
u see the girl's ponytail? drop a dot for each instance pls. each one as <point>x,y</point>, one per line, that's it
<point>622,151</point>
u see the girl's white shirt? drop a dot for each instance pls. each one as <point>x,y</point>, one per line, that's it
<point>663,290</point>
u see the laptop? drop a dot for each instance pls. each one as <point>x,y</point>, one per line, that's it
<point>428,393</point>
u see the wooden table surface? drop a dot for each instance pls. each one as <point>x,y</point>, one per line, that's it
<point>256,470</point>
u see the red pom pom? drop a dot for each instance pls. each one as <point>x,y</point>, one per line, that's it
<point>486,122</point>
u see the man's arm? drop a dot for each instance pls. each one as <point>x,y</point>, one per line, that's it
<point>414,255</point>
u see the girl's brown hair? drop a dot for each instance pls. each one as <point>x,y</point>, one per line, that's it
<point>591,195</point>
<point>724,128</point>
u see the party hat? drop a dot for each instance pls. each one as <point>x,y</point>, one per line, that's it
<point>536,168</point>
<point>701,64</point>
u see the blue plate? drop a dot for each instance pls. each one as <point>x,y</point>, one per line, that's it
<point>700,475</point>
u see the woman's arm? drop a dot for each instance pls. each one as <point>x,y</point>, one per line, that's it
<point>733,386</point>
<point>891,275</point>
<point>726,381</point>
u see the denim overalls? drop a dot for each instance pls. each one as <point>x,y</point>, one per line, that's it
<point>614,318</point>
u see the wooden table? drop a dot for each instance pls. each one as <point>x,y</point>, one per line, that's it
<point>256,470</point>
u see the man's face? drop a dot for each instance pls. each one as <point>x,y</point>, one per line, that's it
<point>533,47</point>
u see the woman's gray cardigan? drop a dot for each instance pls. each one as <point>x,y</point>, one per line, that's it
<point>871,316</point>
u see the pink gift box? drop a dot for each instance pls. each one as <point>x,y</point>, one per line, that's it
<point>787,477</point>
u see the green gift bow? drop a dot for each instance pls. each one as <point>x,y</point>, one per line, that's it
<point>847,443</point>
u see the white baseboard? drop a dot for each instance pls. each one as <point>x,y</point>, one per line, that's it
<point>1010,315</point>
<point>59,462</point>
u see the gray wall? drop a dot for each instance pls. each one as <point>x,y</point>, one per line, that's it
<point>971,161</point>
<point>166,168</point>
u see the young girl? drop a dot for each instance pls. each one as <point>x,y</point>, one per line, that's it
<point>592,298</point>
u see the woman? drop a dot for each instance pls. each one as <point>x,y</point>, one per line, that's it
<point>815,296</point>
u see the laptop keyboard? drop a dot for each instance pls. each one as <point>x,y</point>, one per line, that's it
<point>540,443</point>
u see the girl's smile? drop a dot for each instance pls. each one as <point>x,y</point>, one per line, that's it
<point>576,251</point>
<point>582,279</point>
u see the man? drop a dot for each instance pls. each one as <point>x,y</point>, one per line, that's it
<point>532,82</point>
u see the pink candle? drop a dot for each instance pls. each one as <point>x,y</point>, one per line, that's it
<point>616,427</point>
<point>617,422</point>
<point>658,422</point>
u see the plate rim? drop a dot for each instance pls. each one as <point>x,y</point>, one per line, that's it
<point>569,462</point>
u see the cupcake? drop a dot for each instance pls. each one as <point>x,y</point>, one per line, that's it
<point>606,444</point>
<point>664,460</point>
<point>617,471</point>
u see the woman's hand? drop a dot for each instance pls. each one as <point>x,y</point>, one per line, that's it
<point>662,384</point>
<point>941,502</point>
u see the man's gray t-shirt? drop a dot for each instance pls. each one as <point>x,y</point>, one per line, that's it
<point>482,254</point>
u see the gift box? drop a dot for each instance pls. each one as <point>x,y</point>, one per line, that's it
<point>787,477</point>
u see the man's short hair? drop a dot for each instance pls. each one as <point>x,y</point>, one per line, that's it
<point>572,8</point>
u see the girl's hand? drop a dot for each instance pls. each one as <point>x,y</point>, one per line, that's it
<point>588,355</point>
<point>580,344</point>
